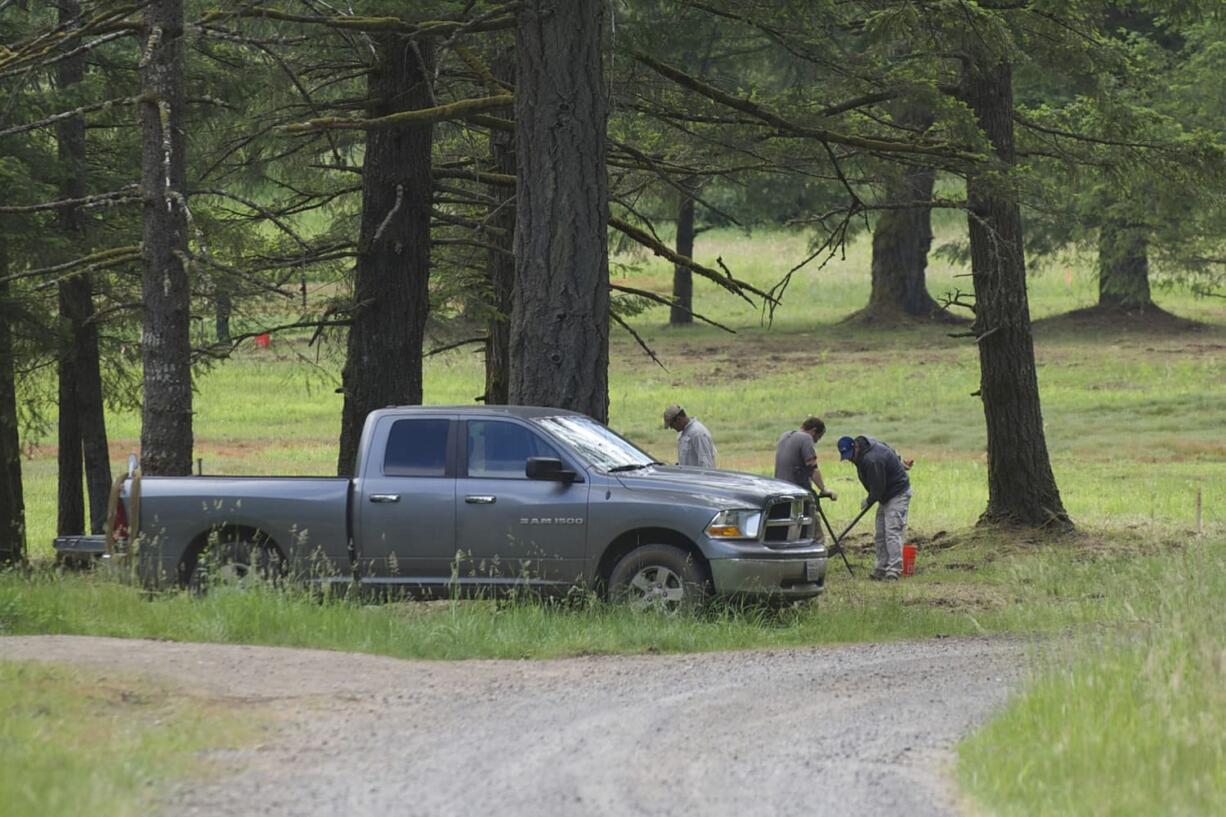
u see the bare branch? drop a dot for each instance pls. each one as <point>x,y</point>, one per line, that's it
<point>669,302</point>
<point>466,342</point>
<point>638,339</point>
<point>736,287</point>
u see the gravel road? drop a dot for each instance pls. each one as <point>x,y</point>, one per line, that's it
<point>855,730</point>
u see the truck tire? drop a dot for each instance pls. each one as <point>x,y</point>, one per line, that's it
<point>658,577</point>
<point>235,558</point>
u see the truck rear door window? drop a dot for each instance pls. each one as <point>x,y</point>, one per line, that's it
<point>501,450</point>
<point>416,448</point>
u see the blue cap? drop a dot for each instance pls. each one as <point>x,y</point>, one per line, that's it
<point>847,448</point>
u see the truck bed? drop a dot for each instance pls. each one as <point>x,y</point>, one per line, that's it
<point>307,517</point>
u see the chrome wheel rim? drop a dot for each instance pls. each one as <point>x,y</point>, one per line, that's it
<point>656,587</point>
<point>233,574</point>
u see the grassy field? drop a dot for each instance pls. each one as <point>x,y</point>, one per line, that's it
<point>1130,721</point>
<point>83,742</point>
<point>1134,420</point>
<point>1125,723</point>
<point>968,585</point>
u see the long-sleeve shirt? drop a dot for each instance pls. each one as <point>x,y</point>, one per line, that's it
<point>695,446</point>
<point>880,470</point>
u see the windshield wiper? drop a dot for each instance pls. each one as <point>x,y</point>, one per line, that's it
<point>635,467</point>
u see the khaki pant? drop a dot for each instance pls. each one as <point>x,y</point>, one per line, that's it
<point>891,528</point>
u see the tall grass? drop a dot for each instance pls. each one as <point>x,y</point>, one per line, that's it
<point>1132,722</point>
<point>979,585</point>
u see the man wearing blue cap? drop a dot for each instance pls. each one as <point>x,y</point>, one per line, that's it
<point>884,475</point>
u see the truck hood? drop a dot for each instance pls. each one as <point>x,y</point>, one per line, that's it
<point>719,489</point>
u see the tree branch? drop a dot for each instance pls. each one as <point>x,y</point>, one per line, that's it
<point>127,194</point>
<point>769,117</point>
<point>669,302</point>
<point>638,339</point>
<point>422,116</point>
<point>736,287</point>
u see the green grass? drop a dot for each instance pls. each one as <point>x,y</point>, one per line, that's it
<point>971,585</point>
<point>1127,724</point>
<point>79,742</point>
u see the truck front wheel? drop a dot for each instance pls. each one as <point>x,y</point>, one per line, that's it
<point>658,577</point>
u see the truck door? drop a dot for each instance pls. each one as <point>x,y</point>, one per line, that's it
<point>512,528</point>
<point>406,506</point>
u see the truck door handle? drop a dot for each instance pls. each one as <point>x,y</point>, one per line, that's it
<point>385,497</point>
<point>480,500</point>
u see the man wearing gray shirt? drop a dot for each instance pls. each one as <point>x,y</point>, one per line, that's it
<point>796,457</point>
<point>694,444</point>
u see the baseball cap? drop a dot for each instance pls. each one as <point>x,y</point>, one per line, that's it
<point>847,448</point>
<point>671,413</point>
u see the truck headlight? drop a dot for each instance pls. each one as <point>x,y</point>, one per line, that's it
<point>735,524</point>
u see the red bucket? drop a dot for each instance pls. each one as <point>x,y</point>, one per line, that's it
<point>909,552</point>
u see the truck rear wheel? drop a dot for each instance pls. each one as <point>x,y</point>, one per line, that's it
<point>658,577</point>
<point>231,558</point>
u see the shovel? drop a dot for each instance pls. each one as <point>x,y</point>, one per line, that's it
<point>837,547</point>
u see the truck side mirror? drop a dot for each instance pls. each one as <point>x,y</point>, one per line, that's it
<point>547,468</point>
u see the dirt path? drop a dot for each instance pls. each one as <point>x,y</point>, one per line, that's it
<point>858,730</point>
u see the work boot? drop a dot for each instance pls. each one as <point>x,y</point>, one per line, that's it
<point>877,575</point>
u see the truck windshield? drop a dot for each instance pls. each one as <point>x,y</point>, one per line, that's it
<point>597,444</point>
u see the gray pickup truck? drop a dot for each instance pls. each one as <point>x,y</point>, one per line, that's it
<point>483,498</point>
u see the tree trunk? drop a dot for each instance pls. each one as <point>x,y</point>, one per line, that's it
<point>682,310</point>
<point>92,408</point>
<point>901,241</point>
<point>1021,487</point>
<point>1123,268</point>
<point>166,415</point>
<point>391,294</point>
<point>223,307</point>
<point>82,419</point>
<point>501,262</point>
<point>560,319</point>
<point>12,504</point>
<point>70,496</point>
<point>70,148</point>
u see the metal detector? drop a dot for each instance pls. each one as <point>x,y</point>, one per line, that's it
<point>837,546</point>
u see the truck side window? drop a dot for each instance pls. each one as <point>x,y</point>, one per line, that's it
<point>416,448</point>
<point>500,450</point>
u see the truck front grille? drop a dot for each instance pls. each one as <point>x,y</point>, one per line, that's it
<point>789,521</point>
